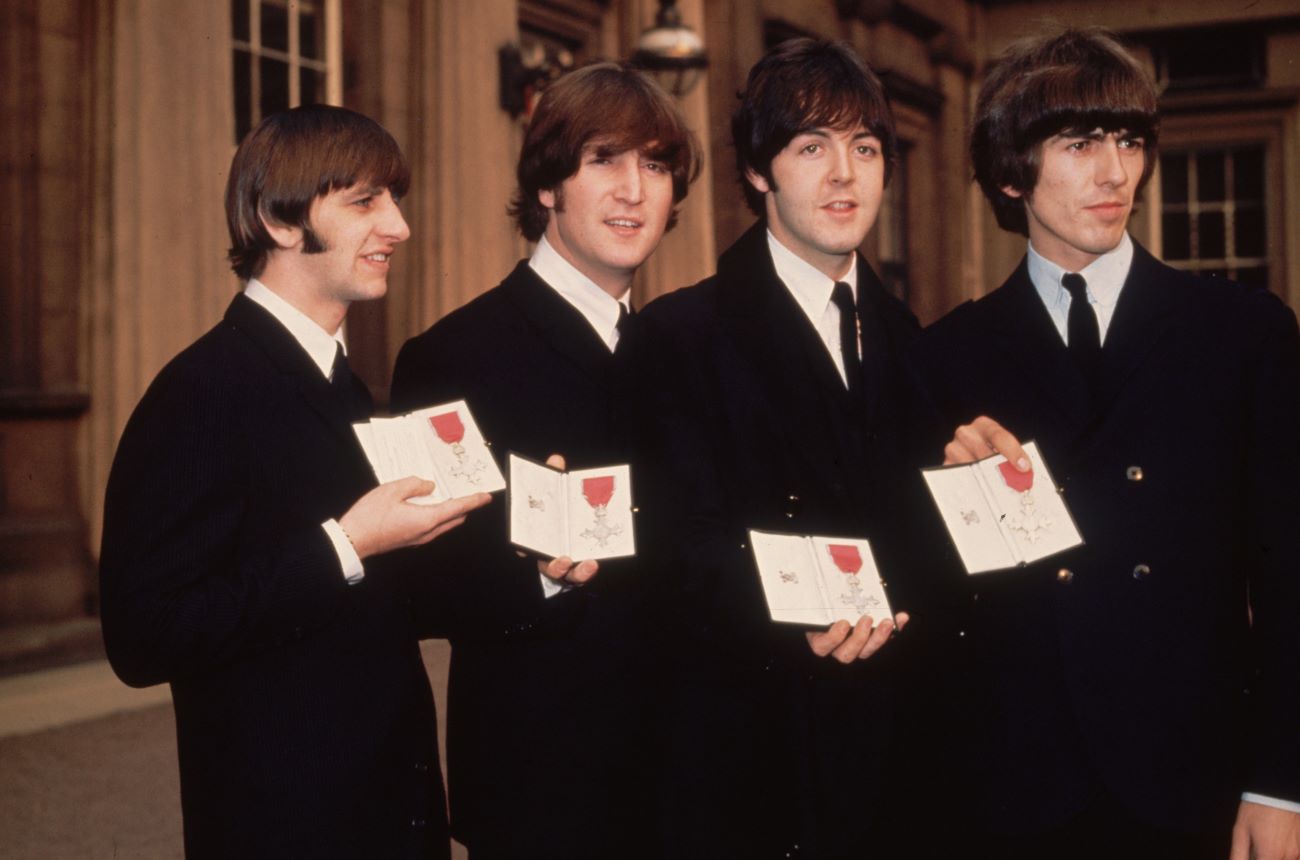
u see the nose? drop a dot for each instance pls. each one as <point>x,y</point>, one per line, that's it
<point>842,166</point>
<point>394,226</point>
<point>631,188</point>
<point>1111,167</point>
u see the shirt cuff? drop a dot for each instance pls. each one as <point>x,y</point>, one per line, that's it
<point>349,561</point>
<point>1275,802</point>
<point>550,587</point>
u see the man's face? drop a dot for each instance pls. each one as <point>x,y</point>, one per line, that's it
<point>359,228</point>
<point>1081,204</point>
<point>608,218</point>
<point>828,189</point>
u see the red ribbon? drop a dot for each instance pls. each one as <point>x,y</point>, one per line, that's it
<point>1017,480</point>
<point>598,491</point>
<point>448,427</point>
<point>846,557</point>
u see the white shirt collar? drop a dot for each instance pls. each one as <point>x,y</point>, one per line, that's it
<point>319,344</point>
<point>808,284</point>
<point>1105,276</point>
<point>597,307</point>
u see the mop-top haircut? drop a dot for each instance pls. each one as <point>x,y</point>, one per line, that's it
<point>1073,82</point>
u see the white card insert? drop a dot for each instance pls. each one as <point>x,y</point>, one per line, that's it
<point>818,580</point>
<point>440,444</point>
<point>996,526</point>
<point>586,513</point>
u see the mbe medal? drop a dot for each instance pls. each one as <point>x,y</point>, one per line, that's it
<point>1029,522</point>
<point>451,430</point>
<point>598,491</point>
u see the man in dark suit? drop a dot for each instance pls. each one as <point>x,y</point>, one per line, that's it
<point>547,731</point>
<point>770,398</point>
<point>1128,698</point>
<point>244,535</point>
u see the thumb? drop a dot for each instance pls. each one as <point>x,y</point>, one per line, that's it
<point>409,487</point>
<point>556,461</point>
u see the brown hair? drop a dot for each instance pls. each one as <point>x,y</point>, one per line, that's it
<point>610,104</point>
<point>801,85</point>
<point>294,157</point>
<point>1070,83</point>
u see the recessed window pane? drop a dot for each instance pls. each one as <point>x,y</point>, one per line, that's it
<point>242,63</point>
<point>1254,276</point>
<point>1248,174</point>
<point>309,35</point>
<point>239,19</point>
<point>1173,177</point>
<point>1209,228</point>
<point>275,27</point>
<point>1209,174</point>
<point>311,86</point>
<point>275,86</point>
<point>1177,232</point>
<point>1249,224</point>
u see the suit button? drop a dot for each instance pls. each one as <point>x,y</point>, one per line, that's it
<point>1064,575</point>
<point>417,823</point>
<point>1133,473</point>
<point>792,506</point>
<point>421,767</point>
<point>1141,572</point>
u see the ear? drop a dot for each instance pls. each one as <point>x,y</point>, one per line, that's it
<point>546,197</point>
<point>1011,192</point>
<point>285,236</point>
<point>756,179</point>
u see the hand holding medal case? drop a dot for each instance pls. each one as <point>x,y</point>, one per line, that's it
<point>1000,517</point>
<point>440,444</point>
<point>818,580</point>
<point>586,513</point>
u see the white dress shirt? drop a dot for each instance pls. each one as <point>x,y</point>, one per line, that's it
<point>811,290</point>
<point>321,347</point>
<point>1105,277</point>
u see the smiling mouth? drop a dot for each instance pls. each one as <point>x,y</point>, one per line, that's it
<point>377,258</point>
<point>841,206</point>
<point>623,223</point>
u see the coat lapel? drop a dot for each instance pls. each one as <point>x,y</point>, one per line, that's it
<point>559,324</point>
<point>771,331</point>
<point>1026,338</point>
<point>1142,316</point>
<point>295,366</point>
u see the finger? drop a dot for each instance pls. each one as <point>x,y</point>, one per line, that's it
<point>849,649</point>
<point>900,620</point>
<point>823,642</point>
<point>1002,441</point>
<point>442,529</point>
<point>556,461</point>
<point>556,568</point>
<point>878,638</point>
<point>972,440</point>
<point>582,572</point>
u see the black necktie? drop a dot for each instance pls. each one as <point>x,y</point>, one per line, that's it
<point>842,296</point>
<point>356,401</point>
<point>1081,330</point>
<point>624,314</point>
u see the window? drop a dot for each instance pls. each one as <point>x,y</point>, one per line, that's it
<point>286,53</point>
<point>1214,212</point>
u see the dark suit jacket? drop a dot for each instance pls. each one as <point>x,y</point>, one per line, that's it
<point>545,737</point>
<point>305,723</point>
<point>1142,673</point>
<point>746,424</point>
